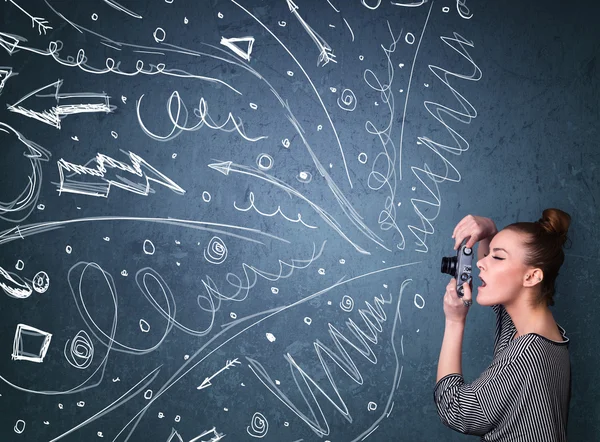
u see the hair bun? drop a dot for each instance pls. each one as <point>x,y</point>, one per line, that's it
<point>556,222</point>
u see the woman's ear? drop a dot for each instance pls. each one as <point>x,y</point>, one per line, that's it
<point>533,277</point>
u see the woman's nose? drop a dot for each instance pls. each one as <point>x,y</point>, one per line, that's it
<point>479,264</point>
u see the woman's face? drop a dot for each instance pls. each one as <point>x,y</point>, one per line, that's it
<point>503,270</point>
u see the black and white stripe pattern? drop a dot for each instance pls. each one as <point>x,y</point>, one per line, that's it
<point>522,396</point>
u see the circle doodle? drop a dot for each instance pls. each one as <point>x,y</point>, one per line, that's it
<point>304,177</point>
<point>19,426</point>
<point>264,161</point>
<point>149,248</point>
<point>216,251</point>
<point>41,282</point>
<point>159,35</point>
<point>419,301</point>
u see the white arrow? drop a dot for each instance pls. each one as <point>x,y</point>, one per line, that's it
<point>228,365</point>
<point>72,106</point>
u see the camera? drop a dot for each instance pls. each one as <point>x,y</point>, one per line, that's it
<point>460,267</point>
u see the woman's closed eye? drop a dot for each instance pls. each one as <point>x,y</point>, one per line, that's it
<point>495,257</point>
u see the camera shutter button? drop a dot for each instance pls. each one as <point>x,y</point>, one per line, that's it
<point>467,250</point>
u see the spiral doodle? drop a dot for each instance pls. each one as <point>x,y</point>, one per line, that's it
<point>216,251</point>
<point>259,426</point>
<point>81,351</point>
<point>347,303</point>
<point>347,101</point>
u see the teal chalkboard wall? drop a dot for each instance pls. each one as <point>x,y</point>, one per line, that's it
<point>224,220</point>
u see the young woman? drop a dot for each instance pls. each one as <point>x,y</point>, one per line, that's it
<point>524,394</point>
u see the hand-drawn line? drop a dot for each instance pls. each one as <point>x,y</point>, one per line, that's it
<point>177,376</point>
<point>440,112</point>
<point>123,399</point>
<point>81,351</point>
<point>226,167</point>
<point>373,317</point>
<point>278,211</point>
<point>349,28</point>
<point>201,112</point>
<point>259,426</point>
<point>311,84</point>
<point>22,354</point>
<point>334,8</point>
<point>5,73</point>
<point>139,167</point>
<point>27,199</point>
<point>21,232</point>
<point>411,4</point>
<point>372,8</point>
<point>54,115</point>
<point>206,382</point>
<point>325,52</point>
<point>13,285</point>
<point>232,43</point>
<point>118,7</point>
<point>150,52</point>
<point>383,169</point>
<point>215,436</point>
<point>463,10</point>
<point>412,69</point>
<point>13,43</point>
<point>174,434</point>
<point>370,432</point>
<point>41,23</point>
<point>111,46</point>
<point>210,302</point>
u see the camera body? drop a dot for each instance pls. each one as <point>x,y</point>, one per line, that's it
<point>459,266</point>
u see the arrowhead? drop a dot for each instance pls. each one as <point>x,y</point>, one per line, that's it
<point>46,116</point>
<point>205,383</point>
<point>223,167</point>
<point>293,7</point>
<point>10,42</point>
<point>5,74</point>
<point>232,43</point>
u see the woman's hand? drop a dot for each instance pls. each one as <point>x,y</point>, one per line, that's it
<point>456,308</point>
<point>473,229</point>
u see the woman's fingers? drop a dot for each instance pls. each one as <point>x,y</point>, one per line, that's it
<point>467,229</point>
<point>468,295</point>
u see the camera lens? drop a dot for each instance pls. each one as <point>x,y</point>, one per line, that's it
<point>449,265</point>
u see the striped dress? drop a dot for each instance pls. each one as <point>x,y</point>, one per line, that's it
<point>522,396</point>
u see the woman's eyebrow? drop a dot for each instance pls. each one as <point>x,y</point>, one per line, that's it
<point>496,249</point>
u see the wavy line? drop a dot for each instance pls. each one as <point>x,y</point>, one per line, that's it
<point>278,211</point>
